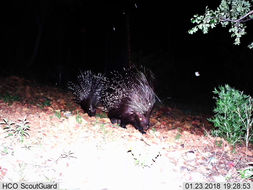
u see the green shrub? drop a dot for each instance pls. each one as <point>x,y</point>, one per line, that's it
<point>233,114</point>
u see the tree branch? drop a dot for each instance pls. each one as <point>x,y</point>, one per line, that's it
<point>239,19</point>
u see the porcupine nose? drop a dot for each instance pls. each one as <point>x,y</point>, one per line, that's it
<point>91,112</point>
<point>145,124</point>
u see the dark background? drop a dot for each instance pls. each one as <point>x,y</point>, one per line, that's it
<point>51,40</point>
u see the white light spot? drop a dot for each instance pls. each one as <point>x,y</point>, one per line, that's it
<point>123,12</point>
<point>135,5</point>
<point>113,28</point>
<point>197,74</point>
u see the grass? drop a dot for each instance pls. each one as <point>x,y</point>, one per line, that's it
<point>79,119</point>
<point>58,114</point>
<point>101,115</point>
<point>247,173</point>
<point>179,134</point>
<point>45,103</point>
<point>8,98</point>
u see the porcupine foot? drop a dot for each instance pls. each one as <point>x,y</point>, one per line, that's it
<point>123,125</point>
<point>114,120</point>
<point>141,130</point>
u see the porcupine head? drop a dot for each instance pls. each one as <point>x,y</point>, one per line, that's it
<point>137,119</point>
<point>136,107</point>
<point>142,99</point>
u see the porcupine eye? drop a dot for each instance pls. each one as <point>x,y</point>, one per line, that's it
<point>142,121</point>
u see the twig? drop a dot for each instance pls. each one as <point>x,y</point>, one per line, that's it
<point>239,19</point>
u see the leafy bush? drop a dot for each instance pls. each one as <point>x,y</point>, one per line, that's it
<point>233,115</point>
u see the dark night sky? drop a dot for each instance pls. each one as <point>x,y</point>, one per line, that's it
<point>41,39</point>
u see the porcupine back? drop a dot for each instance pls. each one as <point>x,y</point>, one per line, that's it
<point>87,90</point>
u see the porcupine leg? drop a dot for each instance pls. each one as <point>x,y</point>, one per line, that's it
<point>113,119</point>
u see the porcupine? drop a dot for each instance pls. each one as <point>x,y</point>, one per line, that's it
<point>87,90</point>
<point>129,98</point>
